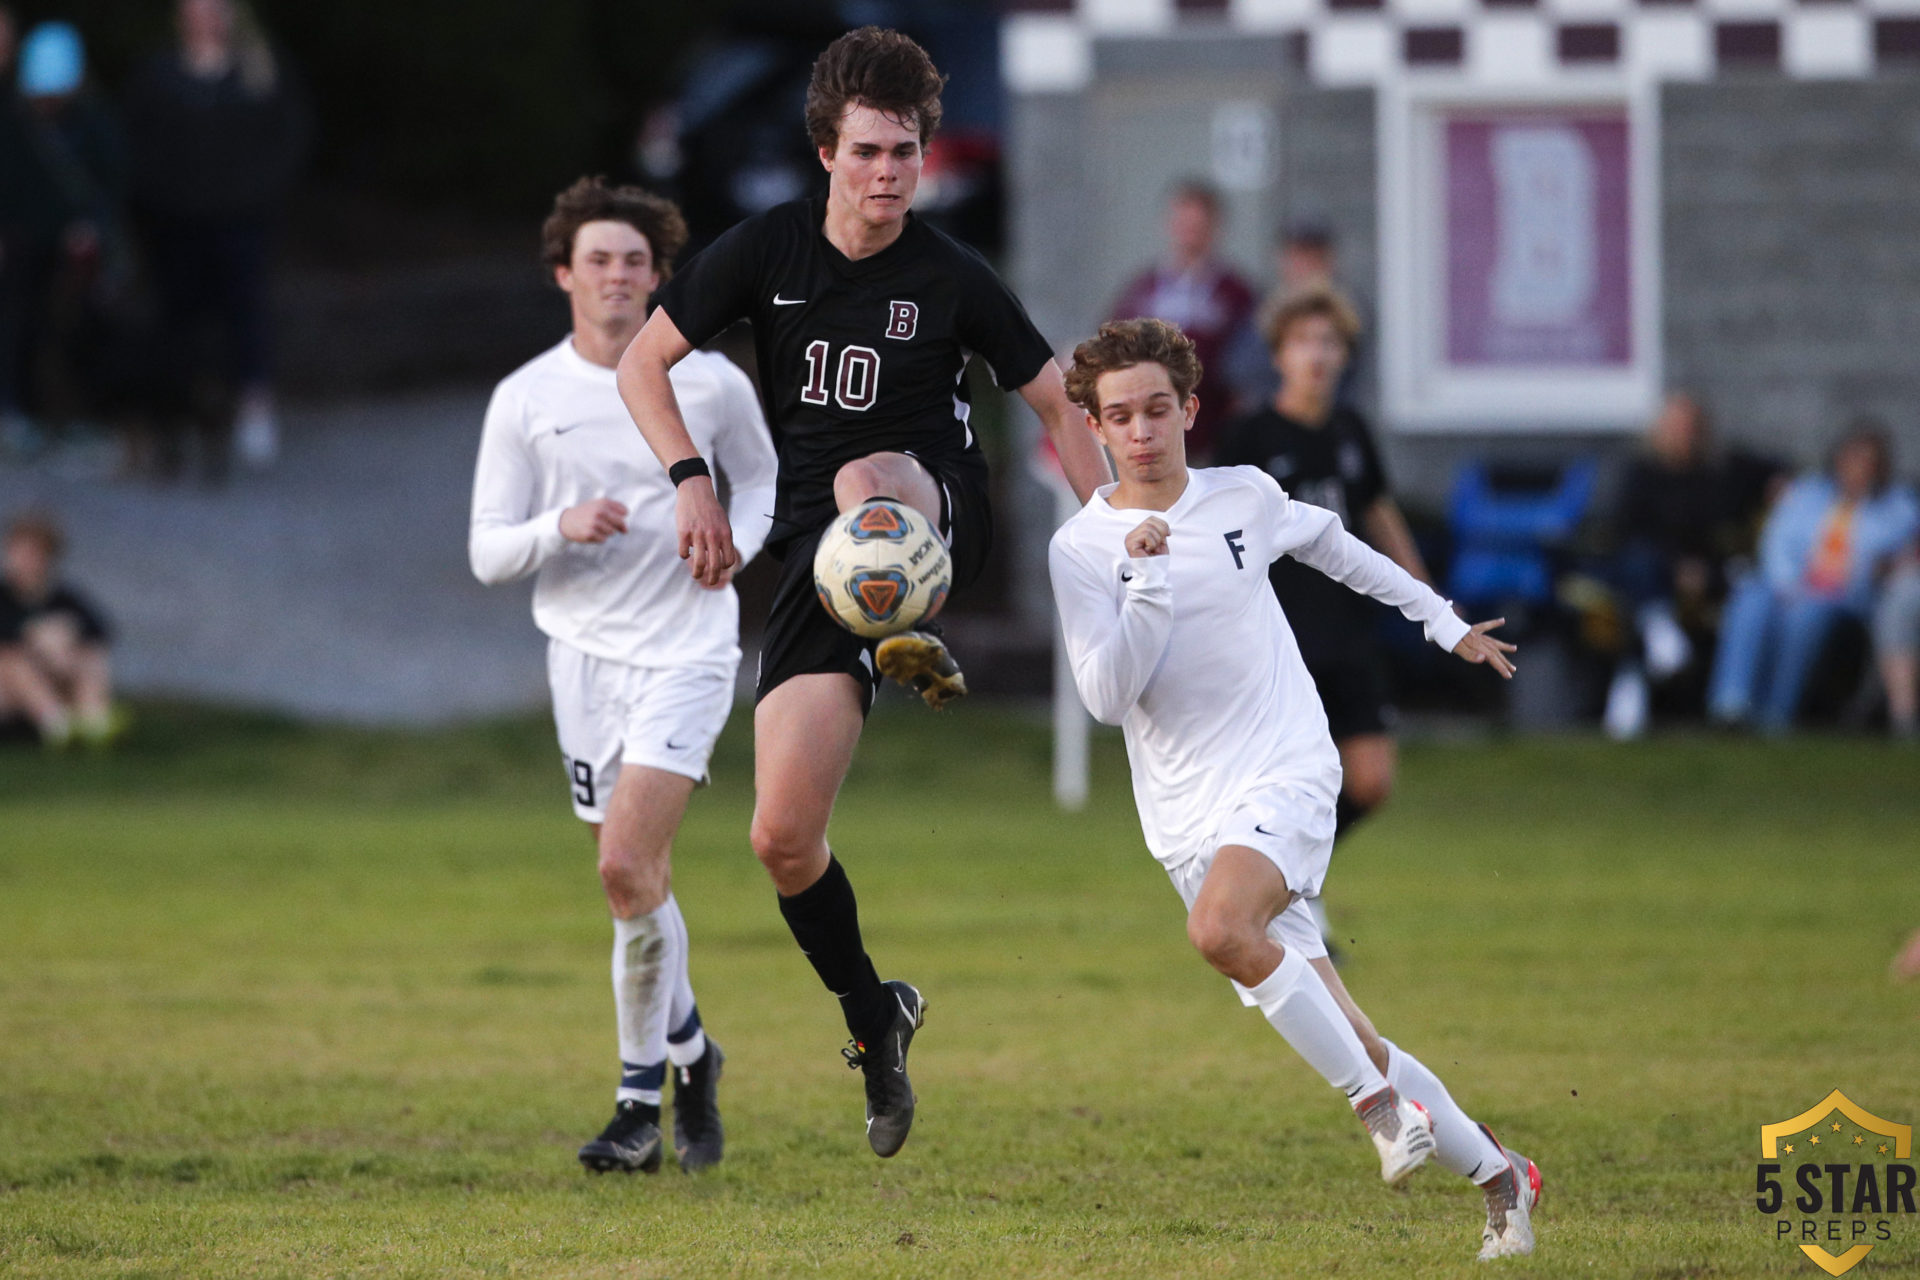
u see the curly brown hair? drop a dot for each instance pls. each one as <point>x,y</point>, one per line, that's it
<point>592,200</point>
<point>1314,300</point>
<point>877,68</point>
<point>1121,344</point>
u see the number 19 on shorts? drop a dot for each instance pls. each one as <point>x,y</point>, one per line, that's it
<point>856,379</point>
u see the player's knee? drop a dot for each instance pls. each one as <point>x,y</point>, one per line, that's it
<point>859,480</point>
<point>634,884</point>
<point>1222,939</point>
<point>1367,779</point>
<point>781,844</point>
<point>1368,789</point>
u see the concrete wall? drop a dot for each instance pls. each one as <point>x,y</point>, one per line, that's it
<point>1792,242</point>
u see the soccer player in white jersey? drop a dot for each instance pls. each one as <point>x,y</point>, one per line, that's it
<point>641,657</point>
<point>1161,583</point>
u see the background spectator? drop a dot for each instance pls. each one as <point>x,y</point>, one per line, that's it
<point>70,256</point>
<point>1205,297</point>
<point>53,644</point>
<point>1305,257</point>
<point>1685,511</point>
<point>218,132</point>
<point>1896,643</point>
<point>1821,554</point>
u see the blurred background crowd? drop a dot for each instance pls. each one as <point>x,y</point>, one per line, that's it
<point>259,264</point>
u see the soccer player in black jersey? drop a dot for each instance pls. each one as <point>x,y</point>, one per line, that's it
<point>864,319</point>
<point>1322,452</point>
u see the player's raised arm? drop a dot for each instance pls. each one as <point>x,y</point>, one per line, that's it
<point>1314,536</point>
<point>1115,648</point>
<point>1066,426</point>
<point>706,537</point>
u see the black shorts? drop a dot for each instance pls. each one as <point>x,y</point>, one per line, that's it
<point>1353,689</point>
<point>802,638</point>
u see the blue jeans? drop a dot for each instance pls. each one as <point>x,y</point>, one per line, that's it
<point>1769,642</point>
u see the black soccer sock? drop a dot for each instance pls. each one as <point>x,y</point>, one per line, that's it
<point>1347,815</point>
<point>825,921</point>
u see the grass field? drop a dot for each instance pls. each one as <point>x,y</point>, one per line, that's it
<point>286,1002</point>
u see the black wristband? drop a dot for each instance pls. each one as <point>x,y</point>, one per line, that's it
<point>686,469</point>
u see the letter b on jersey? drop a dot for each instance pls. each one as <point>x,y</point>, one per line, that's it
<point>902,319</point>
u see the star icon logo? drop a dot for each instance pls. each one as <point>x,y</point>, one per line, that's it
<point>1788,1148</point>
<point>1857,1140</point>
<point>1836,1126</point>
<point>1815,1139</point>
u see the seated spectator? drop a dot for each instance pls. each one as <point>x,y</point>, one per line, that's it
<point>1684,511</point>
<point>53,644</point>
<point>1822,553</point>
<point>1195,290</point>
<point>1896,643</point>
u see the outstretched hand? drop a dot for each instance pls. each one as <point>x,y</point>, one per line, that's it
<point>1478,646</point>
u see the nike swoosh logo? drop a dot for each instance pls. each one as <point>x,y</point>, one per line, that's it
<point>1263,831</point>
<point>560,431</point>
<point>1126,577</point>
<point>674,746</point>
<point>779,301</point>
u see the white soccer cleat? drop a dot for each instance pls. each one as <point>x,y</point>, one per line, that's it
<point>1402,1133</point>
<point>1511,1199</point>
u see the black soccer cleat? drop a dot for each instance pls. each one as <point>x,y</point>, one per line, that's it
<point>889,1093</point>
<point>630,1143</point>
<point>698,1137</point>
<point>920,661</point>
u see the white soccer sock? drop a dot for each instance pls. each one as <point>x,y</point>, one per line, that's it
<point>686,1042</point>
<point>1306,1015</point>
<point>643,967</point>
<point>1459,1143</point>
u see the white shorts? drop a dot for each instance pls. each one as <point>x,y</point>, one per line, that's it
<point>1293,829</point>
<point>609,713</point>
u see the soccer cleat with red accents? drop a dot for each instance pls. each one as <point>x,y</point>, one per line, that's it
<point>1512,1196</point>
<point>1402,1133</point>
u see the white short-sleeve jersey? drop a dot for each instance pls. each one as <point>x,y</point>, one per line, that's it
<point>1190,653</point>
<point>557,434</point>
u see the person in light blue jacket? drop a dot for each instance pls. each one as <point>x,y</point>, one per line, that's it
<point>1822,554</point>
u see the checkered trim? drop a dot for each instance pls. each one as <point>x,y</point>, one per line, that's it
<point>1047,45</point>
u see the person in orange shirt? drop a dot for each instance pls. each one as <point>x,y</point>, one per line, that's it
<point>1821,556</point>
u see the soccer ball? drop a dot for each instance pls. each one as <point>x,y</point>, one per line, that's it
<point>881,569</point>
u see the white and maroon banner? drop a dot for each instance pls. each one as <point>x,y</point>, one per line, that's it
<point>1538,240</point>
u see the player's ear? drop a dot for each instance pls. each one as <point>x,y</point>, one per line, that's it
<point>826,158</point>
<point>1192,410</point>
<point>563,277</point>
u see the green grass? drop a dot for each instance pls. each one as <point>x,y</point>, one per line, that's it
<point>286,1002</point>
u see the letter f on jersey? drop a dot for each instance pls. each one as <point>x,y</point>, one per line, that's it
<point>1236,547</point>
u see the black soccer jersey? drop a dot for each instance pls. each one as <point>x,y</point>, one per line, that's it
<point>855,357</point>
<point>1334,466</point>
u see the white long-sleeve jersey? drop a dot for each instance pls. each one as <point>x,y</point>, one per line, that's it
<point>556,435</point>
<point>1191,654</point>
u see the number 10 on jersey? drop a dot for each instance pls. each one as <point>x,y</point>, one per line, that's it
<point>856,382</point>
